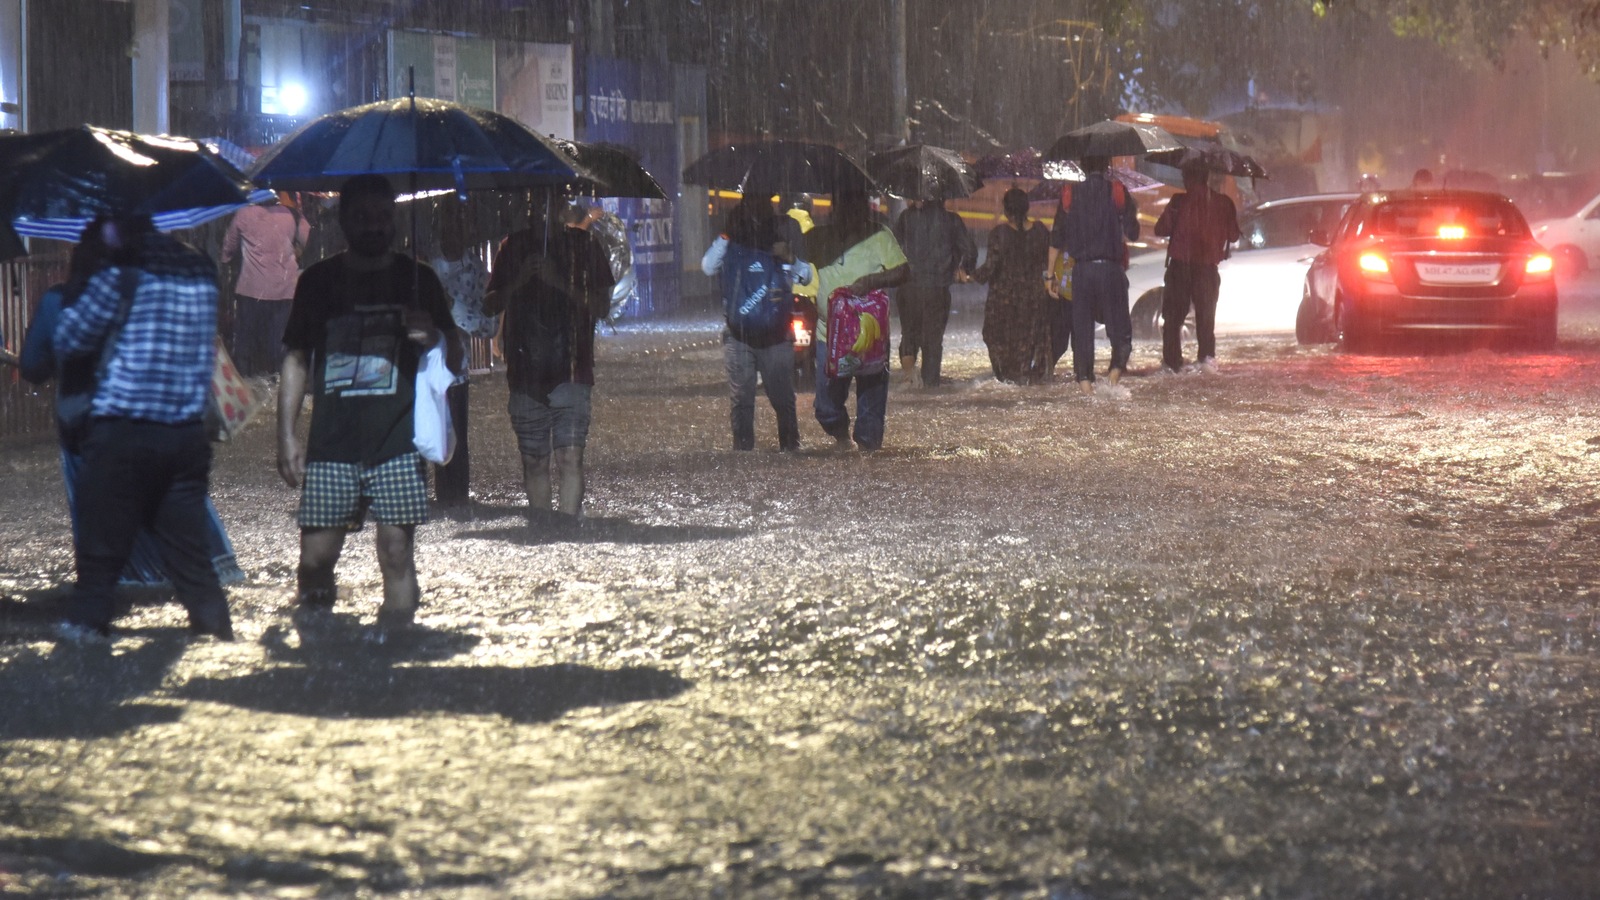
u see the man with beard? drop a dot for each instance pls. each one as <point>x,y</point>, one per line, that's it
<point>360,323</point>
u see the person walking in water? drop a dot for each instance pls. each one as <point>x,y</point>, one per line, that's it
<point>1096,219</point>
<point>361,321</point>
<point>1200,224</point>
<point>940,250</point>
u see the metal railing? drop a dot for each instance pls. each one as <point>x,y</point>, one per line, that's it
<point>26,411</point>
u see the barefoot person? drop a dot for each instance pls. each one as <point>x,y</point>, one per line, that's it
<point>360,323</point>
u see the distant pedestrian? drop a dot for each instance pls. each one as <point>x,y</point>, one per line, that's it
<point>612,233</point>
<point>1016,313</point>
<point>553,280</point>
<point>266,241</point>
<point>465,276</point>
<point>1200,225</point>
<point>941,251</point>
<point>360,323</point>
<point>1096,219</point>
<point>146,456</point>
<point>40,364</point>
<point>754,263</point>
<point>852,251</point>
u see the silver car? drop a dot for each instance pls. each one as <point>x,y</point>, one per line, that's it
<point>1263,278</point>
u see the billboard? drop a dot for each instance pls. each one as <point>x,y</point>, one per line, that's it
<point>534,83</point>
<point>632,105</point>
<point>449,68</point>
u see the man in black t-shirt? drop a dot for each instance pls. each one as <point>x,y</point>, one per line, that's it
<point>554,282</point>
<point>360,322</point>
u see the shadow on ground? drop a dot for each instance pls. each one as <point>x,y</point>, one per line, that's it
<point>77,691</point>
<point>600,531</point>
<point>345,672</point>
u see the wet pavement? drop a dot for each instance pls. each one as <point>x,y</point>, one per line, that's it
<point>1305,626</point>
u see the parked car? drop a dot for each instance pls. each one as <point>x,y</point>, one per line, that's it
<point>1573,238</point>
<point>1551,195</point>
<point>1262,280</point>
<point>1430,262</point>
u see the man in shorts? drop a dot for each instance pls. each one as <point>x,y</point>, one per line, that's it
<point>553,281</point>
<point>360,322</point>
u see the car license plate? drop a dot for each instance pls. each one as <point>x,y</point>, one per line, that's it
<point>1458,273</point>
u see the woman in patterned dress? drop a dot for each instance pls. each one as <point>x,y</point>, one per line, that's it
<point>1016,320</point>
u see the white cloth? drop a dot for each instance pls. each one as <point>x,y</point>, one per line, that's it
<point>432,432</point>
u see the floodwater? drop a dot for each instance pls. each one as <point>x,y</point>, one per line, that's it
<point>1305,626</point>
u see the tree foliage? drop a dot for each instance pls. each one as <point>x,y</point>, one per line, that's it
<point>1486,27</point>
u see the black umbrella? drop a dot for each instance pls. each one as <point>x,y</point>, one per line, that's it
<point>422,144</point>
<point>1024,163</point>
<point>1213,157</point>
<point>1112,138</point>
<point>922,172</point>
<point>616,171</point>
<point>1050,188</point>
<point>53,183</point>
<point>781,167</point>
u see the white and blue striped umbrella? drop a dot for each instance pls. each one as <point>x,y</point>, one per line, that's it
<point>68,228</point>
<point>54,183</point>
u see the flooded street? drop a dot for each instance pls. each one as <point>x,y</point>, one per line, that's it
<point>1310,625</point>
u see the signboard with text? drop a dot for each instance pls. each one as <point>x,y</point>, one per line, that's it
<point>449,68</point>
<point>631,105</point>
<point>534,85</point>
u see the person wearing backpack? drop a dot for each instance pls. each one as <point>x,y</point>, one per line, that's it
<point>755,264</point>
<point>1094,223</point>
<point>853,253</point>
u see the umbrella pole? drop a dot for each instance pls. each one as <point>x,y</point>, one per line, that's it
<point>416,159</point>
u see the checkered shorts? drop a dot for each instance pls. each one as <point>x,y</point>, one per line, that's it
<point>338,494</point>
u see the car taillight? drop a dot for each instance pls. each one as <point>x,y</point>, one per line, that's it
<point>1452,232</point>
<point>1540,265</point>
<point>1374,266</point>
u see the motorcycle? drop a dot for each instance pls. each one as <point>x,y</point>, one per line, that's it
<point>803,326</point>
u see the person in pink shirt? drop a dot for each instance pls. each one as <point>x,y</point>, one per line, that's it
<point>266,240</point>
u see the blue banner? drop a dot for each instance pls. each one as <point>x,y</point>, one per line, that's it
<point>631,105</point>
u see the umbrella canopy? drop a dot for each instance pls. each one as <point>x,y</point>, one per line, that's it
<point>923,172</point>
<point>56,182</point>
<point>1050,188</point>
<point>1113,138</point>
<point>1027,163</point>
<point>781,167</point>
<point>1024,163</point>
<point>616,170</point>
<point>1213,157</point>
<point>423,144</point>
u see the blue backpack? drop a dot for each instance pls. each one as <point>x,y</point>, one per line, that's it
<point>756,295</point>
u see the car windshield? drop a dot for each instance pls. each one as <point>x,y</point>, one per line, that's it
<point>1439,216</point>
<point>1287,225</point>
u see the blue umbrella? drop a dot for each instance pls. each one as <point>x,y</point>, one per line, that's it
<point>422,144</point>
<point>56,182</point>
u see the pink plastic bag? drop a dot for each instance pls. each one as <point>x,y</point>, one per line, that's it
<point>844,326</point>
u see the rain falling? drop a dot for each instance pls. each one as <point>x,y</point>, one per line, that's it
<point>1312,618</point>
